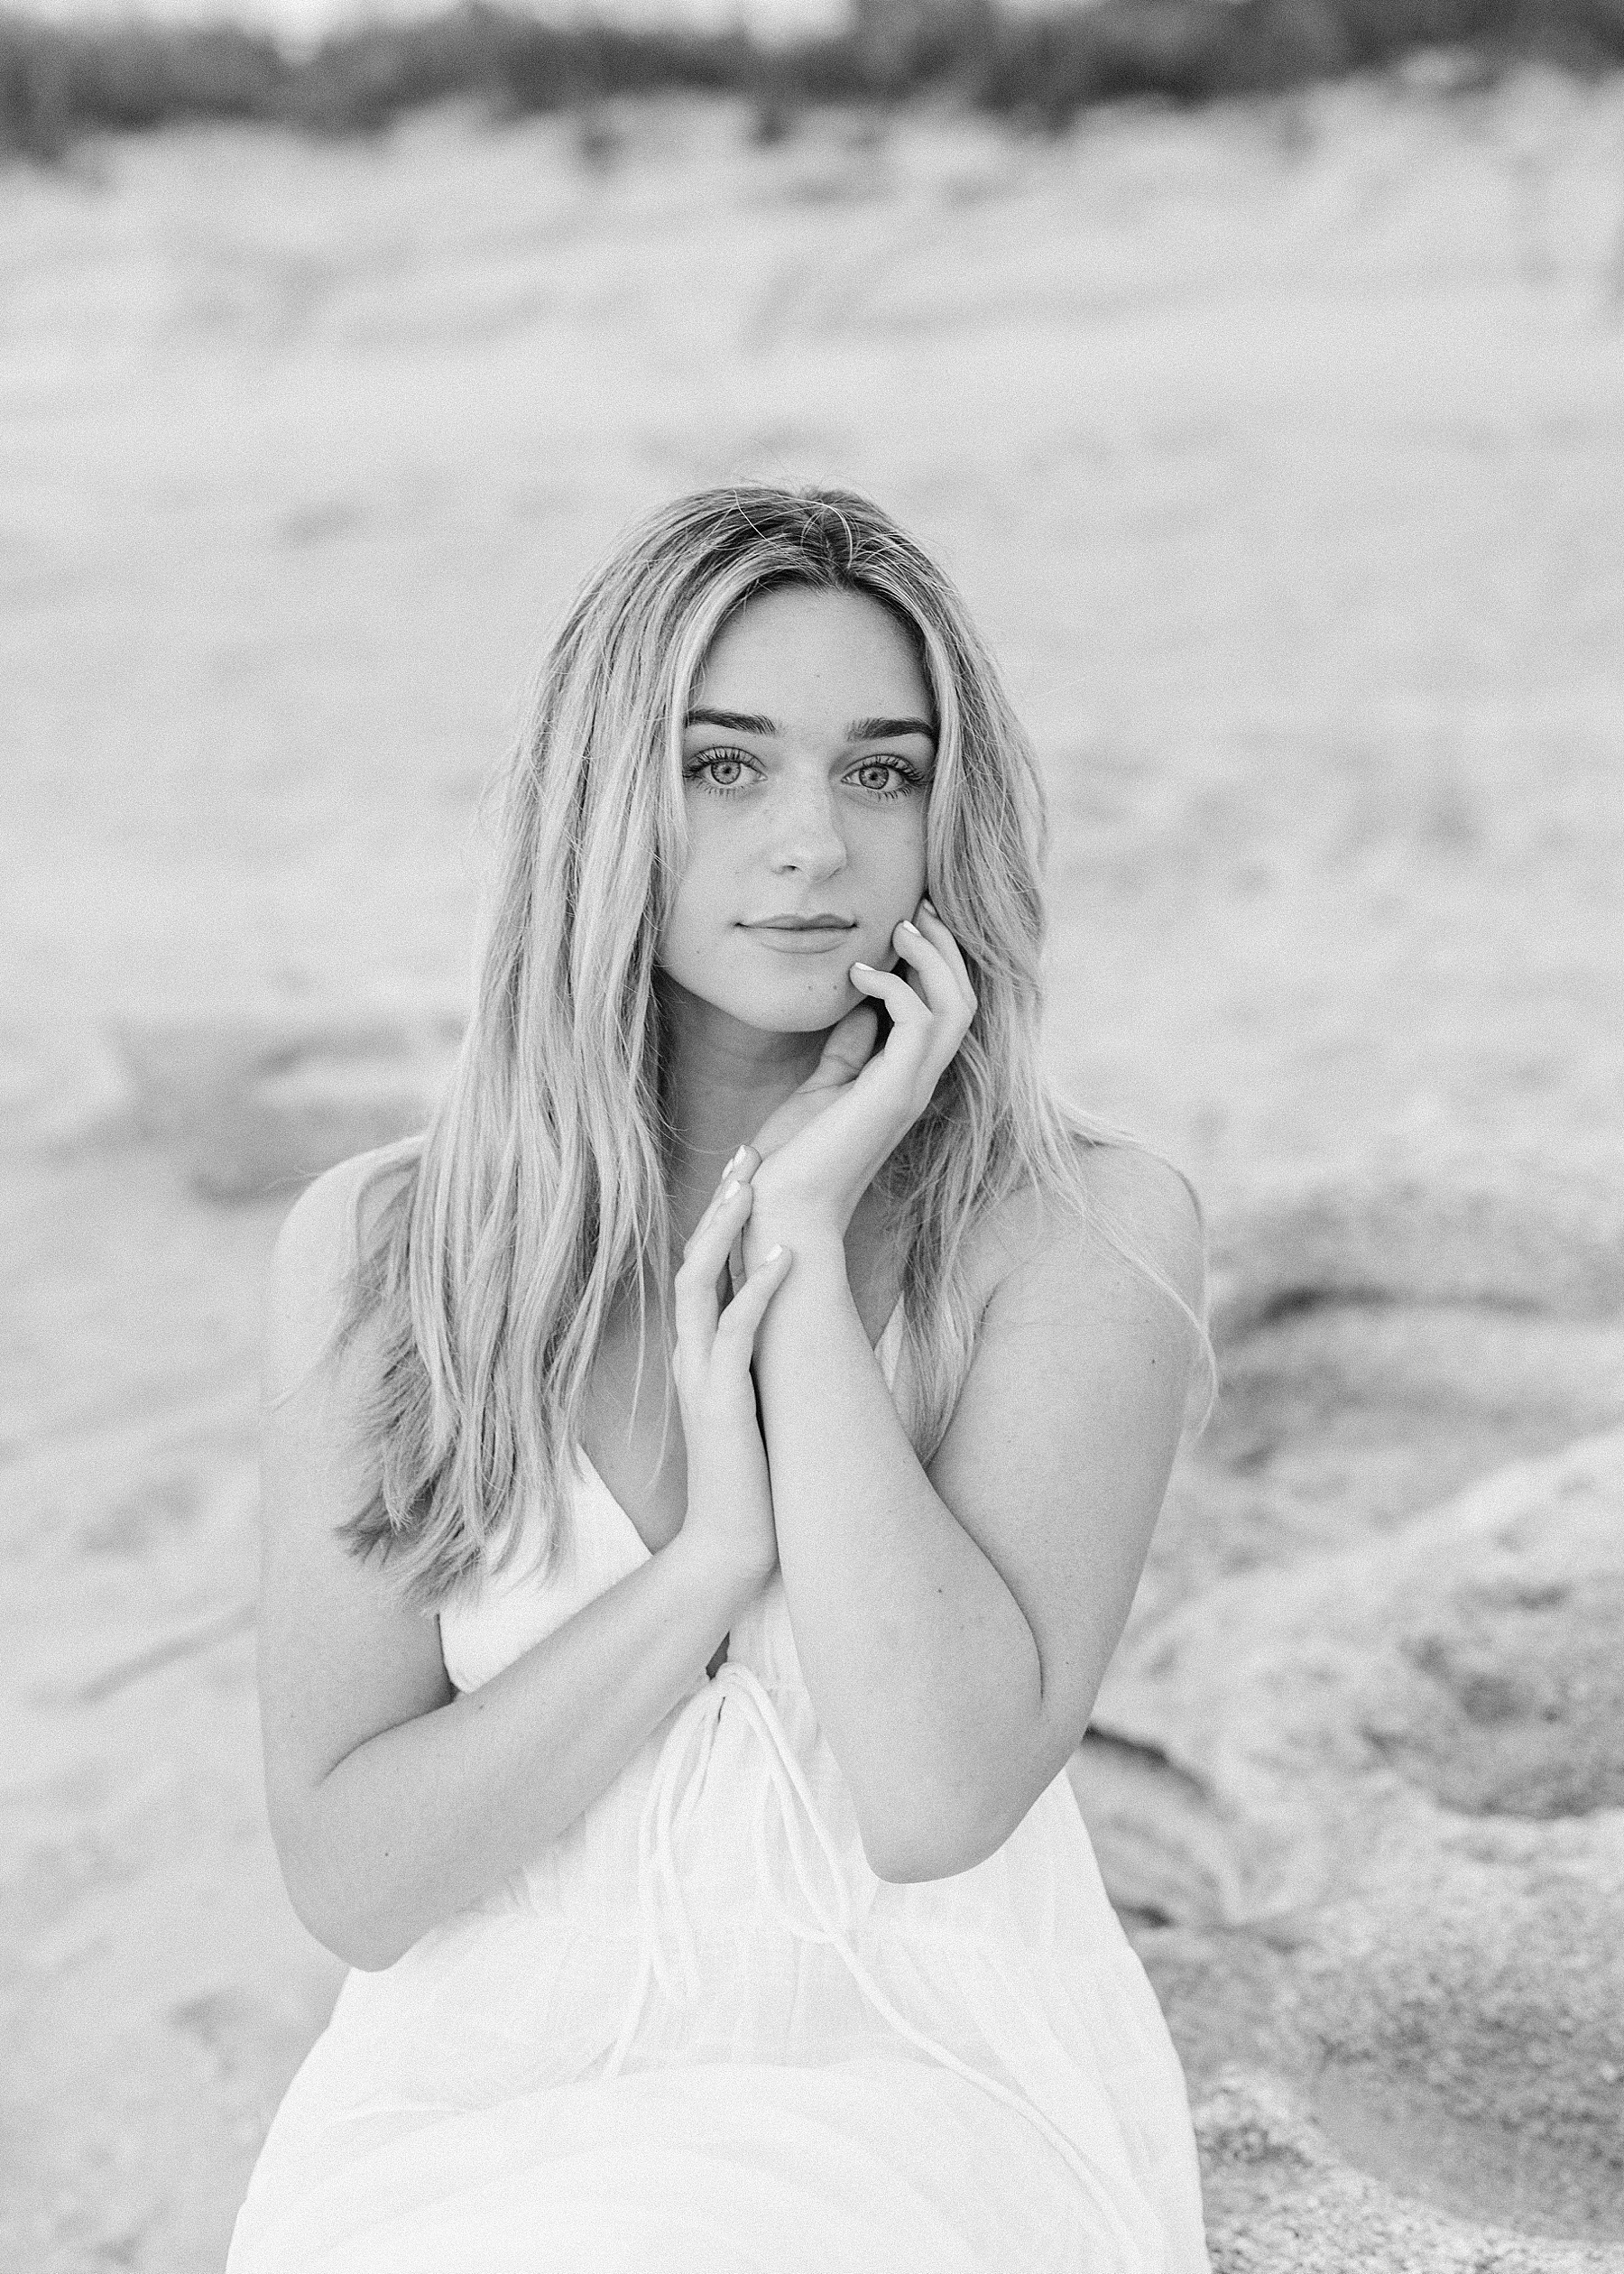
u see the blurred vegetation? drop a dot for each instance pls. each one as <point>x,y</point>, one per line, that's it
<point>61,82</point>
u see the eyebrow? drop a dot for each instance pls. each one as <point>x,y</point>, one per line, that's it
<point>741,722</point>
<point>882,729</point>
<point>860,730</point>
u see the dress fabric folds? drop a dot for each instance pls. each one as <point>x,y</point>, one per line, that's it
<point>695,2035</point>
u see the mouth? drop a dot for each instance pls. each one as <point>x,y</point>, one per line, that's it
<point>802,924</point>
<point>801,939</point>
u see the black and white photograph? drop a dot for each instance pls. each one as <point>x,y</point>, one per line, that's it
<point>812,1137</point>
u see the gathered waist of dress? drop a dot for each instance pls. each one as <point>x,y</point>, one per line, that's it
<point>736,1817</point>
<point>817,1902</point>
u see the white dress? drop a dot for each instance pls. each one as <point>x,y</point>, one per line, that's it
<point>695,2035</point>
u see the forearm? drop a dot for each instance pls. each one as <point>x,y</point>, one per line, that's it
<point>921,1666</point>
<point>427,1818</point>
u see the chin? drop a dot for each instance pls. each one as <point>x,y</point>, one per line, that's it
<point>808,1006</point>
<point>802,1000</point>
<point>805,1017</point>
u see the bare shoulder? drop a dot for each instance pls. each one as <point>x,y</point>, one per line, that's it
<point>314,1257</point>
<point>1057,1455</point>
<point>342,1655</point>
<point>1144,1200</point>
<point>1142,1213</point>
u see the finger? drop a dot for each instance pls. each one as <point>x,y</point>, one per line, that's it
<point>736,1334</point>
<point>703,1258</point>
<point>943,990</point>
<point>907,1006</point>
<point>739,1171</point>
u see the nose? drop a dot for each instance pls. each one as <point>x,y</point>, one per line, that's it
<point>804,830</point>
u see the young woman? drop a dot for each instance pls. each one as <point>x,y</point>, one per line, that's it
<point>684,1780</point>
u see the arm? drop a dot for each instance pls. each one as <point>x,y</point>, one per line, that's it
<point>394,1801</point>
<point>953,1625</point>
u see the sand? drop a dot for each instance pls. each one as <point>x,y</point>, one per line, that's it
<point>1278,450</point>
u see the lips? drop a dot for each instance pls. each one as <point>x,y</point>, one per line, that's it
<point>801,923</point>
<point>801,939</point>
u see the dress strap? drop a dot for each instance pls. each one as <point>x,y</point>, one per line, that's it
<point>890,1343</point>
<point>663,1815</point>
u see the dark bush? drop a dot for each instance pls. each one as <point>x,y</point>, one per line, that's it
<point>1281,43</point>
<point>58,82</point>
<point>129,75</point>
<point>1585,32</point>
<point>900,47</point>
<point>357,81</point>
<point>36,105</point>
<point>1046,69</point>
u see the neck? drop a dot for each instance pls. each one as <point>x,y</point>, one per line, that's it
<point>724,1080</point>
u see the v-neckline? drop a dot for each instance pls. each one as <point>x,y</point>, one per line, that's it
<point>591,1468</point>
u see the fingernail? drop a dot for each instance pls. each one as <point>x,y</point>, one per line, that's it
<point>730,1187</point>
<point>862,966</point>
<point>734,1163</point>
<point>928,906</point>
<point>906,926</point>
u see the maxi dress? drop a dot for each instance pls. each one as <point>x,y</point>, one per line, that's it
<point>695,2035</point>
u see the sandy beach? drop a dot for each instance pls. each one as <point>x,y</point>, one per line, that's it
<point>1278,448</point>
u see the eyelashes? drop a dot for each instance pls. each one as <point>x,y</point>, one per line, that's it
<point>912,778</point>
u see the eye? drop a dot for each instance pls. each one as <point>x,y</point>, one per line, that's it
<point>910,776</point>
<point>696,770</point>
<point>701,769</point>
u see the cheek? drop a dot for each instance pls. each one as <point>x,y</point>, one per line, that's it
<point>691,923</point>
<point>904,867</point>
<point>676,940</point>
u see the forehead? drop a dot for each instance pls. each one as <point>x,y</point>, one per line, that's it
<point>794,650</point>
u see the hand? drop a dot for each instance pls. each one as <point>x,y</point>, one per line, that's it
<point>847,1048</point>
<point>820,1150</point>
<point>729,1492</point>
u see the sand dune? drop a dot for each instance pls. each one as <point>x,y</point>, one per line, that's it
<point>1280,454</point>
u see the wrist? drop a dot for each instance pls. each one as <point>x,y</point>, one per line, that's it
<point>717,1583</point>
<point>794,1205</point>
<point>811,1231</point>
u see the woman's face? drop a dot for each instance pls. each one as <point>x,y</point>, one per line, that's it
<point>806,761</point>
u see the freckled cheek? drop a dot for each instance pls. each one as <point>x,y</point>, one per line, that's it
<point>702,916</point>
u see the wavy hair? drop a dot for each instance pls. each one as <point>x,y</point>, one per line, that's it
<point>537,1198</point>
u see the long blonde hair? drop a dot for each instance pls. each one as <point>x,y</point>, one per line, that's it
<point>538,1195</point>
